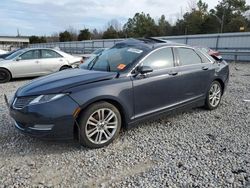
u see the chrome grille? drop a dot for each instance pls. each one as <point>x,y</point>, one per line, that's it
<point>21,102</point>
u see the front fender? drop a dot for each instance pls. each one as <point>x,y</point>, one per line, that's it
<point>118,91</point>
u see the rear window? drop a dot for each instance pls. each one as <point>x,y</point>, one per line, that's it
<point>203,57</point>
<point>188,56</point>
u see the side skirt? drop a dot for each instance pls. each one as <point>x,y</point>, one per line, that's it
<point>167,112</point>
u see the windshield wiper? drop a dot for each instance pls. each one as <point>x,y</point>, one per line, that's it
<point>93,62</point>
<point>108,66</point>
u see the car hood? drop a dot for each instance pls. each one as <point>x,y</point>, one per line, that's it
<point>58,82</point>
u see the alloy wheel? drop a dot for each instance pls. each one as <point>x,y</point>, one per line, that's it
<point>214,95</point>
<point>101,126</point>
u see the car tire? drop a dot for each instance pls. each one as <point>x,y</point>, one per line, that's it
<point>5,75</point>
<point>99,125</point>
<point>213,97</point>
<point>64,67</point>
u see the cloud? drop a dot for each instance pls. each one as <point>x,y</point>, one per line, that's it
<point>41,17</point>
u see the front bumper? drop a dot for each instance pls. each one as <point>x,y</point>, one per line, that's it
<point>53,120</point>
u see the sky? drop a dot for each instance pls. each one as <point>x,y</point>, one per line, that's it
<point>45,17</point>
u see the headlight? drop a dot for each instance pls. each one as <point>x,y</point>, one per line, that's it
<point>11,99</point>
<point>46,98</point>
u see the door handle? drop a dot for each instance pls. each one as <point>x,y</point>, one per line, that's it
<point>173,73</point>
<point>204,68</point>
<point>60,60</point>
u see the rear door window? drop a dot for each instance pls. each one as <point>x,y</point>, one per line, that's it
<point>188,56</point>
<point>50,54</point>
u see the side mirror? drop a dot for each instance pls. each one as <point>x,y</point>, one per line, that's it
<point>18,59</point>
<point>145,69</point>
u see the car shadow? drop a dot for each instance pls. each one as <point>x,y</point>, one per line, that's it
<point>22,79</point>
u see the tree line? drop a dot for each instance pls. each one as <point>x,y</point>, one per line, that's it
<point>227,16</point>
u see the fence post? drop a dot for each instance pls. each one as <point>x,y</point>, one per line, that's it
<point>83,50</point>
<point>217,42</point>
<point>235,56</point>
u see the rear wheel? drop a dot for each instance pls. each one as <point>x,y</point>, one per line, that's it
<point>213,96</point>
<point>5,75</point>
<point>99,125</point>
<point>64,67</point>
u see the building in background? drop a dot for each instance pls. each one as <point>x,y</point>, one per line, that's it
<point>9,43</point>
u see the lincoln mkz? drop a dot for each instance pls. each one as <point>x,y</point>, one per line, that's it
<point>134,80</point>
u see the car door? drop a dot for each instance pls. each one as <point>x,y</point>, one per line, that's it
<point>158,90</point>
<point>51,61</point>
<point>195,71</point>
<point>27,64</point>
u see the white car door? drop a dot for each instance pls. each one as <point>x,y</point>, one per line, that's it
<point>51,61</point>
<point>27,64</point>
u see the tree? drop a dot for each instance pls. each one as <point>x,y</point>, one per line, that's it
<point>65,36</point>
<point>36,39</point>
<point>110,33</point>
<point>95,34</point>
<point>202,7</point>
<point>73,33</point>
<point>179,28</point>
<point>164,27</point>
<point>53,38</point>
<point>236,23</point>
<point>231,11</point>
<point>141,25</point>
<point>84,35</point>
<point>115,24</point>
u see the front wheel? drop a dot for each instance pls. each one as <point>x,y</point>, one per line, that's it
<point>99,125</point>
<point>213,96</point>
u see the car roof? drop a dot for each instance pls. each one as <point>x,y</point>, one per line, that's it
<point>149,43</point>
<point>36,48</point>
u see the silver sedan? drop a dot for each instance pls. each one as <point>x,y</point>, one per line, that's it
<point>31,62</point>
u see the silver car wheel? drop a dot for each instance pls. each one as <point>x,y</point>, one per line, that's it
<point>101,126</point>
<point>214,95</point>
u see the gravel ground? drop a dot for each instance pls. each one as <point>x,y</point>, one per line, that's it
<point>197,148</point>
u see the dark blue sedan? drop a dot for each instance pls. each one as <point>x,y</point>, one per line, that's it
<point>133,81</point>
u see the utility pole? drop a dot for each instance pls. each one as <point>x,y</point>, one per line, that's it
<point>221,21</point>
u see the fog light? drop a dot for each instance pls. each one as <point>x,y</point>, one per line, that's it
<point>43,127</point>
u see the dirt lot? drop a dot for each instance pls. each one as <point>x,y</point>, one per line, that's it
<point>195,148</point>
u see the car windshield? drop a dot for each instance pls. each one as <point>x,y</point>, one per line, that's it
<point>115,59</point>
<point>14,55</point>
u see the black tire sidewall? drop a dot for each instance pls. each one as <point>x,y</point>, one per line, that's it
<point>84,118</point>
<point>207,103</point>
<point>64,68</point>
<point>8,77</point>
